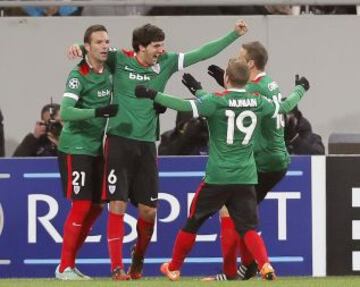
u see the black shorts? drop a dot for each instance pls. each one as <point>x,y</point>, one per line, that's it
<point>131,171</point>
<point>81,176</point>
<point>266,181</point>
<point>239,199</point>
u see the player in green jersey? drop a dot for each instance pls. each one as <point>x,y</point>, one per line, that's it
<point>231,171</point>
<point>270,153</point>
<point>84,109</point>
<point>131,164</point>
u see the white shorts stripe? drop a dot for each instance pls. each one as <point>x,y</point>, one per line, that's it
<point>194,108</point>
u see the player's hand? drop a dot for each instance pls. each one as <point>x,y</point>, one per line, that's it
<point>191,83</point>
<point>217,73</point>
<point>74,52</point>
<point>107,111</point>
<point>241,27</point>
<point>302,82</point>
<point>159,109</point>
<point>143,92</point>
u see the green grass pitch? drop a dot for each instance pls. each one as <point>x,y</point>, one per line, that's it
<point>348,281</point>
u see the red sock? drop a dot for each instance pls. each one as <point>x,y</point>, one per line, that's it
<point>245,255</point>
<point>183,244</point>
<point>229,239</point>
<point>115,235</point>
<point>256,246</point>
<point>94,213</point>
<point>144,233</point>
<point>72,232</point>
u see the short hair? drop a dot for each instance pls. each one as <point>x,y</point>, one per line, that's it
<point>256,52</point>
<point>238,72</point>
<point>146,34</point>
<point>55,108</point>
<point>92,29</point>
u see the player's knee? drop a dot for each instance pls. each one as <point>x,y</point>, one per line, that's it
<point>192,225</point>
<point>117,207</point>
<point>224,212</point>
<point>243,229</point>
<point>148,213</point>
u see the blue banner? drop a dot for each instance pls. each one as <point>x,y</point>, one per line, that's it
<point>32,212</point>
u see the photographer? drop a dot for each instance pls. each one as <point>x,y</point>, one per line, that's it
<point>299,137</point>
<point>189,137</point>
<point>44,140</point>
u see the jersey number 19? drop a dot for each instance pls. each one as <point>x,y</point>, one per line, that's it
<point>239,123</point>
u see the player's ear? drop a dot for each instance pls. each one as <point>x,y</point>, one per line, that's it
<point>226,80</point>
<point>141,48</point>
<point>251,64</point>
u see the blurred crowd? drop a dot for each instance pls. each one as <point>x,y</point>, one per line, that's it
<point>179,10</point>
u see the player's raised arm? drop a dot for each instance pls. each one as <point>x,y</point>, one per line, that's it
<point>214,47</point>
<point>275,108</point>
<point>75,51</point>
<point>301,86</point>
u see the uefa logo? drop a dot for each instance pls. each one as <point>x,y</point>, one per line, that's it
<point>1,219</point>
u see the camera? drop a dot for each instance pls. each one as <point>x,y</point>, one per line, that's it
<point>53,126</point>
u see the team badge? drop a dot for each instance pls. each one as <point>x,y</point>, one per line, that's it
<point>73,83</point>
<point>77,189</point>
<point>112,188</point>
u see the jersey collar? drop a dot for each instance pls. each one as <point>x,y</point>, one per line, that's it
<point>236,90</point>
<point>262,74</point>
<point>91,67</point>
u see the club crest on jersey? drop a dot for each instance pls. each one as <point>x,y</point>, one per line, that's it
<point>112,189</point>
<point>156,68</point>
<point>76,189</point>
<point>272,86</point>
<point>73,83</point>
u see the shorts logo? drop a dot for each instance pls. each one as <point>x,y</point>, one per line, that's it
<point>112,189</point>
<point>73,83</point>
<point>1,219</point>
<point>77,189</point>
<point>153,198</point>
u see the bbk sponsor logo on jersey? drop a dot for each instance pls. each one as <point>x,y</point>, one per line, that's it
<point>138,77</point>
<point>273,86</point>
<point>104,93</point>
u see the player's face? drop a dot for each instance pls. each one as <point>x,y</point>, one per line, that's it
<point>99,46</point>
<point>151,53</point>
<point>245,57</point>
